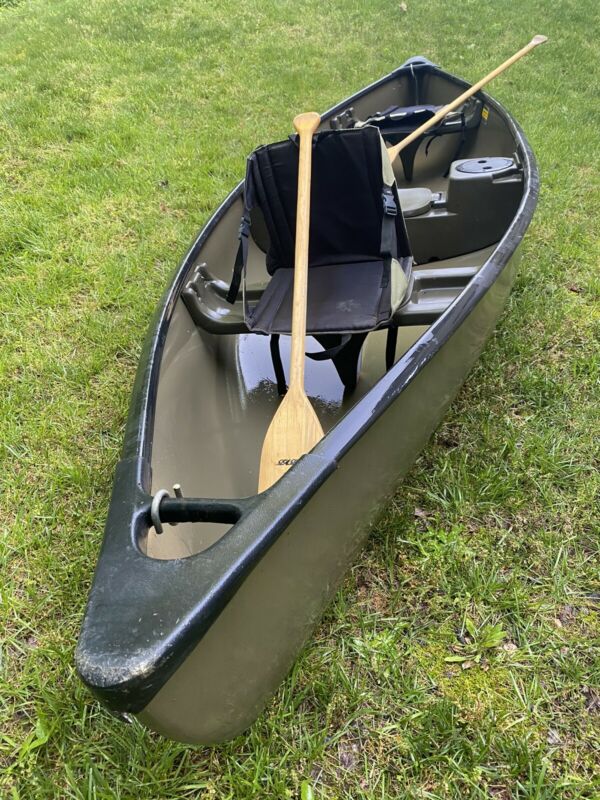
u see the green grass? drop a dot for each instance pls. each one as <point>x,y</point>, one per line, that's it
<point>122,124</point>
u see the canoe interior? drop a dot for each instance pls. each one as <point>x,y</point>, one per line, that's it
<point>216,392</point>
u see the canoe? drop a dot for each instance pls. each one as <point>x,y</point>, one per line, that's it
<point>204,590</point>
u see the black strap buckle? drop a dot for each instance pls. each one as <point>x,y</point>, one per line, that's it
<point>389,204</point>
<point>244,229</point>
<point>240,259</point>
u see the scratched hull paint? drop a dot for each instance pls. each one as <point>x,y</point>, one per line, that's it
<point>194,628</point>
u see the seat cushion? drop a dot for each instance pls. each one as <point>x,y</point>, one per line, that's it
<point>342,298</point>
<point>415,201</point>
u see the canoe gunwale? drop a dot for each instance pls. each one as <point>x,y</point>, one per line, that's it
<point>127,669</point>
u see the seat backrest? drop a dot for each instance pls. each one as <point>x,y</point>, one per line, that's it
<point>352,192</point>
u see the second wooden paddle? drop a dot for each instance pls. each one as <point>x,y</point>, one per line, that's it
<point>295,428</point>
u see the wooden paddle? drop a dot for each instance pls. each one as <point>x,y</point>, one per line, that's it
<point>295,428</point>
<point>393,151</point>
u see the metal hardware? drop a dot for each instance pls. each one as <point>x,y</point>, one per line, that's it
<point>155,509</point>
<point>343,120</point>
<point>155,506</point>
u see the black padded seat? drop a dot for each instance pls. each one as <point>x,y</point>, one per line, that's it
<point>359,255</point>
<point>342,298</point>
<point>359,260</point>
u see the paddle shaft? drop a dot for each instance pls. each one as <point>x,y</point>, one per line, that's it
<point>393,151</point>
<point>305,125</point>
<point>295,429</point>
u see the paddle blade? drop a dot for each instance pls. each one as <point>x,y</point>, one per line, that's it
<point>294,431</point>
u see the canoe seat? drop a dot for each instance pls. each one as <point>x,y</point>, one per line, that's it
<point>359,258</point>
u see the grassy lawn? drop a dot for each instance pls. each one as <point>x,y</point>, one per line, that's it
<point>122,124</point>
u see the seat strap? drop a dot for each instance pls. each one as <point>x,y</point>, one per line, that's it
<point>438,131</point>
<point>390,347</point>
<point>334,352</point>
<point>321,355</point>
<point>463,139</point>
<point>240,258</point>
<point>388,223</point>
<point>331,352</point>
<point>277,364</point>
<point>347,360</point>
